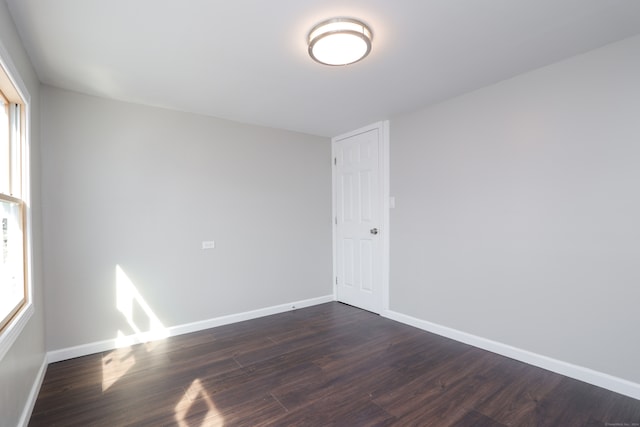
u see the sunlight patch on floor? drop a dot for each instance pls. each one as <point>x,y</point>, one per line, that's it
<point>196,404</point>
<point>115,365</point>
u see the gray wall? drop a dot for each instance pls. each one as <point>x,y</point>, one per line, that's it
<point>141,188</point>
<point>518,207</point>
<point>19,367</point>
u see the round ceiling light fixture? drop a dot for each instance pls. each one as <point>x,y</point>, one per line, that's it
<point>339,41</point>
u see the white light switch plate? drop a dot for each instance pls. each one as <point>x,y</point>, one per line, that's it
<point>208,244</point>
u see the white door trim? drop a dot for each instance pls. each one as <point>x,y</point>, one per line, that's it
<point>383,131</point>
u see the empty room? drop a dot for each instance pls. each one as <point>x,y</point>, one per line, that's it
<point>320,213</point>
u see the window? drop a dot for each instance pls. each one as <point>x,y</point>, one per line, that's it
<point>13,292</point>
<point>15,298</point>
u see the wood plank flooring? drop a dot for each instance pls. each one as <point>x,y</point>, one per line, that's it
<point>327,365</point>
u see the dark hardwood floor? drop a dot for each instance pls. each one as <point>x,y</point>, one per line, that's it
<point>331,364</point>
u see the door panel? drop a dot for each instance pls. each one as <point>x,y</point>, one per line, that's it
<point>358,211</point>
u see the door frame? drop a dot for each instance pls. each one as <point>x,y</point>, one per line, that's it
<point>383,165</point>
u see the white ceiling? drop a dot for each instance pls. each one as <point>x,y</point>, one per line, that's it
<point>246,60</point>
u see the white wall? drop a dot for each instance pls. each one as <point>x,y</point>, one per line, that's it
<point>19,368</point>
<point>141,188</point>
<point>518,209</point>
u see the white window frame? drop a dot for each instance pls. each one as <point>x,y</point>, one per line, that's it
<point>13,329</point>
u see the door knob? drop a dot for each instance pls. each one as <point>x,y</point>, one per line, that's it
<point>374,231</point>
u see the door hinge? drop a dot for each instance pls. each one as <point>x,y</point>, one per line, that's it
<point>335,161</point>
<point>336,220</point>
<point>336,280</point>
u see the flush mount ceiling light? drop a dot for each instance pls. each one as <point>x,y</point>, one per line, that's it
<point>339,41</point>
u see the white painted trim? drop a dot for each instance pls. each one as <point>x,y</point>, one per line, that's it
<point>384,194</point>
<point>106,345</point>
<point>580,373</point>
<point>386,207</point>
<point>334,216</point>
<point>247,315</point>
<point>15,327</point>
<point>33,395</point>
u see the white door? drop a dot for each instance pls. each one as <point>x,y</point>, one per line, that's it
<point>358,222</point>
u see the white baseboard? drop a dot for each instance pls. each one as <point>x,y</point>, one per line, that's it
<point>248,315</point>
<point>33,395</point>
<point>106,345</point>
<point>587,375</point>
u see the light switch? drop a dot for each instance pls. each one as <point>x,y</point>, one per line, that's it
<point>208,244</point>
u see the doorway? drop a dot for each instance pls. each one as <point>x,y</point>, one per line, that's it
<point>361,217</point>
